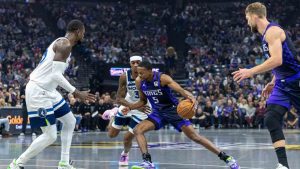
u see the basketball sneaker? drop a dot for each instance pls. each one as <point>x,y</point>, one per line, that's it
<point>144,165</point>
<point>14,165</point>
<point>280,166</point>
<point>65,165</point>
<point>124,160</point>
<point>232,163</point>
<point>108,114</point>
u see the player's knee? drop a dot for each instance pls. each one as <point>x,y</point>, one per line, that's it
<point>51,136</point>
<point>138,131</point>
<point>72,121</point>
<point>112,133</point>
<point>273,121</point>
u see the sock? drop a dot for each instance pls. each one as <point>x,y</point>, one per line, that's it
<point>223,156</point>
<point>147,157</point>
<point>68,125</point>
<point>125,154</point>
<point>281,156</point>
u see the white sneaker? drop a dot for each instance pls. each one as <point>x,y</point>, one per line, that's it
<point>280,166</point>
<point>33,135</point>
<point>65,165</point>
<point>14,165</point>
<point>22,134</point>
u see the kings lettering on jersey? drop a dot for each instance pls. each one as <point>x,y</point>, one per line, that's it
<point>160,97</point>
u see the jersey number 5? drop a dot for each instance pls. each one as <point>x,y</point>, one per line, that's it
<point>155,99</point>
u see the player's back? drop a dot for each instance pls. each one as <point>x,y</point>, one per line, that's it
<point>160,97</point>
<point>42,74</point>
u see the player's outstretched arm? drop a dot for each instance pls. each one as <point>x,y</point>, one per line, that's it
<point>273,37</point>
<point>121,93</point>
<point>168,81</point>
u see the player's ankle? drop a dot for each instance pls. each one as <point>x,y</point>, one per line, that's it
<point>147,157</point>
<point>223,156</point>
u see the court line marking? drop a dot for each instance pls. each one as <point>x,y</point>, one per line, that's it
<point>92,161</point>
<point>46,166</point>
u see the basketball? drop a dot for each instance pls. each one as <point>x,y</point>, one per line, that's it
<point>185,109</point>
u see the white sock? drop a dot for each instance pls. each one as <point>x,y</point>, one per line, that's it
<point>125,154</point>
<point>39,144</point>
<point>68,126</point>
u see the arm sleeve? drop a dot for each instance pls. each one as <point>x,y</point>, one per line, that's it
<point>58,68</point>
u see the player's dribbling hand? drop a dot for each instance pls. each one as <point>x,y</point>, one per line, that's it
<point>125,110</point>
<point>242,74</point>
<point>194,101</point>
<point>267,90</point>
<point>85,95</point>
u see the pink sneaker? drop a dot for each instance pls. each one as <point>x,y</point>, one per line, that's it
<point>108,114</point>
<point>124,160</point>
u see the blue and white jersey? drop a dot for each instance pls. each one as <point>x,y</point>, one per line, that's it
<point>42,74</point>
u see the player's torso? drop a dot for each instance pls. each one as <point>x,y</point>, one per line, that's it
<point>290,64</point>
<point>43,72</point>
<point>158,96</point>
<point>132,94</point>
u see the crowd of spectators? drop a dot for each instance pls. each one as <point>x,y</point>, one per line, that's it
<point>218,37</point>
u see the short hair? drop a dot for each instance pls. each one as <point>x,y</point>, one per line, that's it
<point>74,25</point>
<point>146,65</point>
<point>257,8</point>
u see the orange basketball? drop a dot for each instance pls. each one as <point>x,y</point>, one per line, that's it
<point>185,109</point>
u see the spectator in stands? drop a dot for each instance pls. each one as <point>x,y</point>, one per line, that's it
<point>74,106</point>
<point>227,113</point>
<point>209,113</point>
<point>218,112</point>
<point>170,60</point>
<point>86,111</point>
<point>291,118</point>
<point>103,105</point>
<point>250,112</point>
<point>260,115</point>
<point>4,125</point>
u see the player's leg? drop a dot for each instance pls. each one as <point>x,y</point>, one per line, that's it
<point>277,105</point>
<point>65,116</point>
<point>154,121</point>
<point>190,132</point>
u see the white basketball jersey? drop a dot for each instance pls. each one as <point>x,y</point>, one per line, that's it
<point>42,74</point>
<point>132,94</point>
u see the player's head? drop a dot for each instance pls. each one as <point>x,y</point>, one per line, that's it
<point>254,12</point>
<point>145,70</point>
<point>134,62</point>
<point>77,28</point>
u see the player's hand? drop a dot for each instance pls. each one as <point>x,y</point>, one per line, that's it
<point>85,95</point>
<point>145,109</point>
<point>125,110</point>
<point>194,101</point>
<point>242,74</point>
<point>267,90</point>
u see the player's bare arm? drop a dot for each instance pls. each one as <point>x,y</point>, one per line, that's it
<point>168,81</point>
<point>274,36</point>
<point>122,89</point>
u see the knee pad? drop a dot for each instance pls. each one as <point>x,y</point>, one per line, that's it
<point>273,120</point>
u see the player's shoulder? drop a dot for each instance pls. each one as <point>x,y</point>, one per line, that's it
<point>274,32</point>
<point>62,43</point>
<point>122,78</point>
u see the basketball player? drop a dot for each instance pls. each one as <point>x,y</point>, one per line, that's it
<point>284,87</point>
<point>156,87</point>
<point>127,93</point>
<point>45,104</point>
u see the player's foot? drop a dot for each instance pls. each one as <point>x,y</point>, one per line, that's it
<point>65,165</point>
<point>280,166</point>
<point>124,160</point>
<point>108,114</point>
<point>232,163</point>
<point>144,165</point>
<point>14,165</point>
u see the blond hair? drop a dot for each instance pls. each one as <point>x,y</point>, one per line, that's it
<point>257,8</point>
